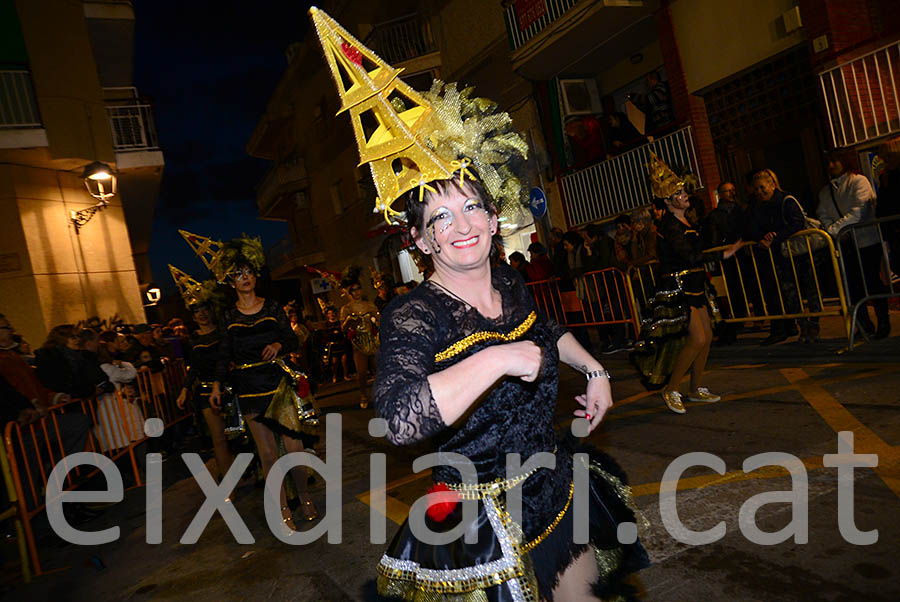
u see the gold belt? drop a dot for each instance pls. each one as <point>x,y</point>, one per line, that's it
<point>492,489</point>
<point>278,361</point>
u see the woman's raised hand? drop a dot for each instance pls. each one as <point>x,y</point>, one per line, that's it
<point>182,397</point>
<point>270,352</point>
<point>215,398</point>
<point>521,359</point>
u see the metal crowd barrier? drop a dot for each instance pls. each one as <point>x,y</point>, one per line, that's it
<point>855,259</point>
<point>601,298</point>
<point>759,283</point>
<point>114,426</point>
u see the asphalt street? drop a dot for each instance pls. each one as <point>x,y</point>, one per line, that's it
<point>791,398</point>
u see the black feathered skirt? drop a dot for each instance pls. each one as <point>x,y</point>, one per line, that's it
<point>664,333</point>
<point>501,566</point>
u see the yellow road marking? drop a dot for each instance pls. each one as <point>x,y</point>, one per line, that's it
<point>703,481</point>
<point>865,441</point>
<point>395,510</point>
<point>745,395</point>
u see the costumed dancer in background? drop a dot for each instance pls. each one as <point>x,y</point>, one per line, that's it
<point>467,364</point>
<point>677,338</point>
<point>359,320</point>
<point>384,287</point>
<point>204,300</point>
<point>273,399</point>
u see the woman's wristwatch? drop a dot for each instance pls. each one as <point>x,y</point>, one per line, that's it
<point>598,374</point>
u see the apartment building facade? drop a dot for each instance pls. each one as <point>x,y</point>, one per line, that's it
<point>67,101</point>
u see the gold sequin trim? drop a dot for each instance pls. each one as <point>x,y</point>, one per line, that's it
<point>493,489</point>
<point>230,326</point>
<point>480,337</point>
<point>201,345</point>
<point>537,540</point>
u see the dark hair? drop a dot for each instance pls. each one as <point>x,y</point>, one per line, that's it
<point>719,187</point>
<point>623,219</point>
<point>573,238</point>
<point>537,248</point>
<point>660,204</point>
<point>415,211</point>
<point>593,230</point>
<point>108,336</point>
<point>87,335</point>
<point>518,256</point>
<point>59,335</point>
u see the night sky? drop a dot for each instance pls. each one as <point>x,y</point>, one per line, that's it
<point>209,69</point>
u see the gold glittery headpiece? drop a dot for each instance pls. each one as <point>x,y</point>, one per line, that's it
<point>194,293</point>
<point>207,249</point>
<point>664,181</point>
<point>222,258</point>
<point>420,138</point>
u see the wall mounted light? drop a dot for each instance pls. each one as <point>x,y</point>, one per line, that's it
<point>100,182</point>
<point>152,295</point>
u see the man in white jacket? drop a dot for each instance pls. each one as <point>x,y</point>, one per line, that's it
<point>848,198</point>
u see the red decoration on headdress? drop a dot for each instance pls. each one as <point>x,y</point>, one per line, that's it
<point>302,387</point>
<point>352,52</point>
<point>441,502</point>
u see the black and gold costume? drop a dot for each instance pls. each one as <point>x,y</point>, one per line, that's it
<point>429,330</point>
<point>202,358</point>
<point>683,284</point>
<point>262,388</point>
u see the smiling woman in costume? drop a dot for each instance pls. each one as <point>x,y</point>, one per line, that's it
<point>256,335</point>
<point>466,363</point>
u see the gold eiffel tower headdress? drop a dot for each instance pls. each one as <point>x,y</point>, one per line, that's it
<point>663,181</point>
<point>207,249</point>
<point>222,258</point>
<point>424,137</point>
<point>194,293</point>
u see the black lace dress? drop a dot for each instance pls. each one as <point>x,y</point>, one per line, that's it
<point>429,330</point>
<point>202,358</point>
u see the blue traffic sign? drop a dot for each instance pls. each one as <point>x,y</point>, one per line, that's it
<point>537,200</point>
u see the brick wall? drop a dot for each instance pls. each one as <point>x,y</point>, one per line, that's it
<point>689,109</point>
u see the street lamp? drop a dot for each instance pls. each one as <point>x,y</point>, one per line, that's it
<point>100,182</point>
<point>153,294</point>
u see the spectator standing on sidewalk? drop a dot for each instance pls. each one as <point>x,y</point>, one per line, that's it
<point>847,199</point>
<point>518,262</point>
<point>774,218</point>
<point>540,267</point>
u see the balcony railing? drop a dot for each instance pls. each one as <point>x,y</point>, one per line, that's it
<point>130,121</point>
<point>18,105</point>
<point>621,184</point>
<point>282,179</point>
<point>861,100</point>
<point>542,13</point>
<point>402,39</point>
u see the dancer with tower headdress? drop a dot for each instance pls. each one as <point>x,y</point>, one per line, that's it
<point>204,300</point>
<point>467,364</point>
<point>275,400</point>
<point>359,321</point>
<point>677,337</point>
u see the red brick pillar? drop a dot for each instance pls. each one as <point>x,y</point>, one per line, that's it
<point>846,23</point>
<point>689,109</point>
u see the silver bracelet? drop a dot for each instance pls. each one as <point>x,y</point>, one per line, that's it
<point>598,374</point>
